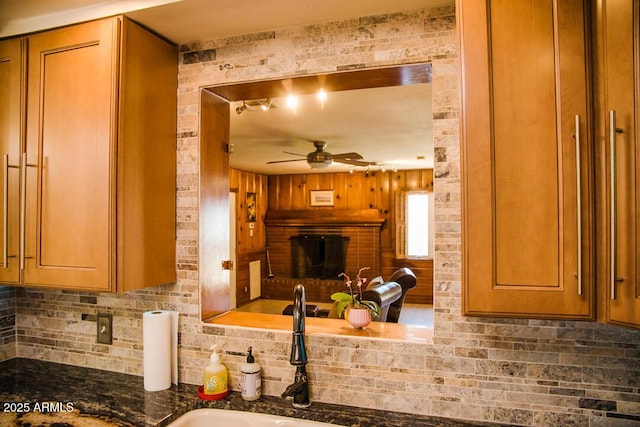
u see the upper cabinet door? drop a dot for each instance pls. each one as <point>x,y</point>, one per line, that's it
<point>11,142</point>
<point>619,57</point>
<point>525,131</point>
<point>72,99</point>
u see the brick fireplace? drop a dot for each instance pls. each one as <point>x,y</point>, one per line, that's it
<point>360,228</point>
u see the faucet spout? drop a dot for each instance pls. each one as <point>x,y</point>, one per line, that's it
<point>298,351</point>
<point>299,390</point>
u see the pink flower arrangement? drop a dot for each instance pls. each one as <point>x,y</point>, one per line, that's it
<point>354,299</point>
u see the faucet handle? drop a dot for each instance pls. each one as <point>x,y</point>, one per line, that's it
<point>294,388</point>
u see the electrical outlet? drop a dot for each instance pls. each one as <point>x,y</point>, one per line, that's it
<point>105,331</point>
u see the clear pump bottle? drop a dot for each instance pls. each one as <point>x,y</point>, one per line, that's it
<point>216,377</point>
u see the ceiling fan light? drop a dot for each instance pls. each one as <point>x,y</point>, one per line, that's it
<point>320,165</point>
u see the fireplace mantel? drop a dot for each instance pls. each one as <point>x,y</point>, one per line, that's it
<point>324,217</point>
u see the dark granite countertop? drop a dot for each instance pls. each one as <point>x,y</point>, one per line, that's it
<point>34,392</point>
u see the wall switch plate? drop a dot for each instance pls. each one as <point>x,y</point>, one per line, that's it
<point>105,330</point>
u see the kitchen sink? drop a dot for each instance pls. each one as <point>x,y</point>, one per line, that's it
<point>226,418</point>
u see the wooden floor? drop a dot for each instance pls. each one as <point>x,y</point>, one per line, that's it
<point>411,314</point>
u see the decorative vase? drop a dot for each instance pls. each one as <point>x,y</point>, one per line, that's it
<point>359,318</point>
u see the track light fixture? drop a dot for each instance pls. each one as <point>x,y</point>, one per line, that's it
<point>265,104</point>
<point>262,104</point>
<point>241,108</point>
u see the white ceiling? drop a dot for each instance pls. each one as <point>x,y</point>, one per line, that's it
<point>387,125</point>
<point>391,126</point>
<point>184,21</point>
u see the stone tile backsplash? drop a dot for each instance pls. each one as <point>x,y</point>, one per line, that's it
<point>527,372</point>
<point>7,323</point>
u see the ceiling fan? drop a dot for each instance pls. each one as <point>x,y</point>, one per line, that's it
<point>321,158</point>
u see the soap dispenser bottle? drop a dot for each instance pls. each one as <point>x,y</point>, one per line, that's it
<point>251,381</point>
<point>216,378</point>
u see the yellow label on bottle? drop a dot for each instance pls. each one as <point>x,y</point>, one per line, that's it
<point>216,384</point>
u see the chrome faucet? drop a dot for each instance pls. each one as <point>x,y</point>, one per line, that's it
<point>299,390</point>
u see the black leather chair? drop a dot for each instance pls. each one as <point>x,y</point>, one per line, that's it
<point>383,294</point>
<point>407,280</point>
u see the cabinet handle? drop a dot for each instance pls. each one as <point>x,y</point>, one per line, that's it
<point>5,212</point>
<point>23,208</point>
<point>613,130</point>
<point>579,203</point>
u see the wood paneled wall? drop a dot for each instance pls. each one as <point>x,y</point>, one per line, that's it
<point>250,242</point>
<point>243,182</point>
<point>375,190</point>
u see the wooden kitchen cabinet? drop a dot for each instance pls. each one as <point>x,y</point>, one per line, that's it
<point>11,134</point>
<point>97,169</point>
<point>527,221</point>
<point>618,54</point>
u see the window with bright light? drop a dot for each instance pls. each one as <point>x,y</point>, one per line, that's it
<point>414,225</point>
<point>417,225</point>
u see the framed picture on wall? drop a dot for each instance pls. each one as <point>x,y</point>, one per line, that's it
<point>250,202</point>
<point>321,197</point>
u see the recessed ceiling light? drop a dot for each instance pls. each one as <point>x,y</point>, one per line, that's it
<point>292,102</point>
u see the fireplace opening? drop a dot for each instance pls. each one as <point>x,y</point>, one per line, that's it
<point>318,256</point>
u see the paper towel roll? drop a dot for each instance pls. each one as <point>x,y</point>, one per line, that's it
<point>160,349</point>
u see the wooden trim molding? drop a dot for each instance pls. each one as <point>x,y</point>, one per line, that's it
<point>320,217</point>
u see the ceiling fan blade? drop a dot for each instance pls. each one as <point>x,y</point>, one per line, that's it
<point>354,162</point>
<point>354,159</point>
<point>285,161</point>
<point>347,156</point>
